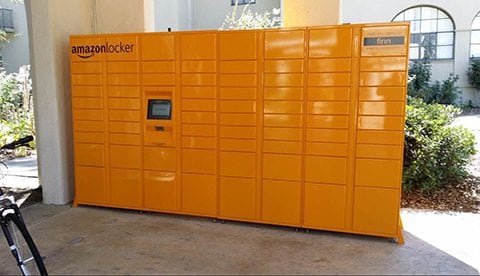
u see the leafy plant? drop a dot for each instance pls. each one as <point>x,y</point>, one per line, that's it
<point>250,20</point>
<point>435,152</point>
<point>474,73</point>
<point>420,85</point>
<point>16,105</point>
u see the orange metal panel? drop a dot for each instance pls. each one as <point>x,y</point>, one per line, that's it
<point>159,79</point>
<point>243,132</point>
<point>332,170</point>
<point>158,47</point>
<point>199,161</point>
<point>123,103</point>
<point>331,42</point>
<point>198,66</point>
<point>231,42</point>
<point>381,94</point>
<point>85,67</point>
<point>199,92</point>
<point>129,51</point>
<point>96,126</point>
<point>379,151</point>
<point>325,206</point>
<point>236,80</point>
<point>240,164</point>
<point>124,91</point>
<point>237,198</point>
<point>122,67</point>
<point>237,93</point>
<point>81,54</point>
<point>88,114</point>
<point>198,105</point>
<point>380,137</point>
<point>380,122</point>
<point>289,147</point>
<point>237,119</point>
<point>126,188</point>
<point>279,133</point>
<point>324,65</point>
<point>383,79</point>
<point>281,202</point>
<point>199,117</point>
<point>86,79</point>
<point>383,64</point>
<point>199,130</point>
<point>124,127</point>
<point>282,166</point>
<point>326,149</point>
<point>123,79</point>
<point>238,106</point>
<point>238,67</point>
<point>86,91</point>
<point>125,139</point>
<point>197,46</point>
<point>205,79</point>
<point>381,108</point>
<point>376,210</point>
<point>275,42</point>
<point>199,142</point>
<point>327,121</point>
<point>328,107</point>
<point>198,193</point>
<point>327,135</point>
<point>329,79</point>
<point>128,157</point>
<point>124,115</point>
<point>283,107</point>
<point>159,158</point>
<point>159,190</point>
<point>378,173</point>
<point>89,137</point>
<point>248,145</point>
<point>158,67</point>
<point>328,93</point>
<point>384,47</point>
<point>277,120</point>
<point>283,93</point>
<point>284,66</point>
<point>90,185</point>
<point>284,79</point>
<point>89,155</point>
<point>95,103</point>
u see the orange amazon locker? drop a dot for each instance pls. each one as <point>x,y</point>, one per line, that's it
<point>300,127</point>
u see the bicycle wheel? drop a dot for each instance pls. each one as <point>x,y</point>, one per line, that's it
<point>22,245</point>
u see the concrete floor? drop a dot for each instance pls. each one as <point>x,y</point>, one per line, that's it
<point>89,240</point>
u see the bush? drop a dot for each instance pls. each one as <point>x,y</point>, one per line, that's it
<point>16,105</point>
<point>435,152</point>
<point>420,85</point>
<point>474,73</point>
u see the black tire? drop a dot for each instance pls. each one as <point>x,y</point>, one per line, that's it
<point>17,235</point>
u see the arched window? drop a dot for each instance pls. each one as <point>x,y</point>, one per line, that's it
<point>431,32</point>
<point>475,37</point>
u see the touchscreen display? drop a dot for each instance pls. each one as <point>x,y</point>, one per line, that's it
<point>159,109</point>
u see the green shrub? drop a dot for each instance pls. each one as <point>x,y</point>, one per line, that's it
<point>16,105</point>
<point>421,86</point>
<point>435,152</point>
<point>474,73</point>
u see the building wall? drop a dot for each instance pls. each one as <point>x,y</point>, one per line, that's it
<point>310,12</point>
<point>15,53</point>
<point>172,14</point>
<point>462,13</point>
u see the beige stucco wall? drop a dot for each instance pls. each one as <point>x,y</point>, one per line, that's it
<point>122,16</point>
<point>298,13</point>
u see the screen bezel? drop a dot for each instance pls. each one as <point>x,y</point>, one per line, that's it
<point>151,116</point>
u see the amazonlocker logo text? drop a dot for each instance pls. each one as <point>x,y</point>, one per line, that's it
<point>88,51</point>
